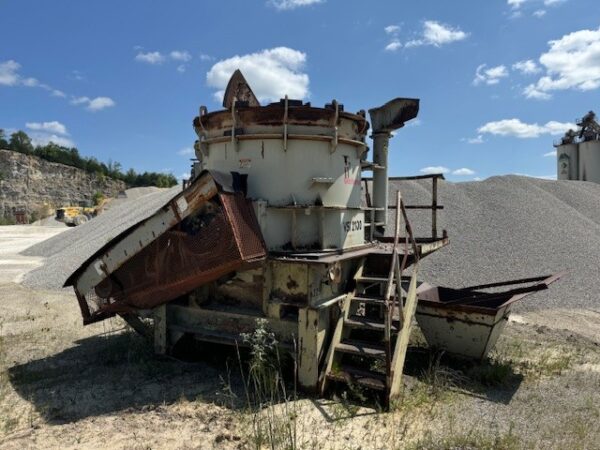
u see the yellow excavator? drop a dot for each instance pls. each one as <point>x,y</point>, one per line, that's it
<point>78,215</point>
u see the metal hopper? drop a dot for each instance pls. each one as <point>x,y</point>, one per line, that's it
<point>468,322</point>
<point>203,233</point>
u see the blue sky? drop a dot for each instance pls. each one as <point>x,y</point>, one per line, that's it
<point>499,80</point>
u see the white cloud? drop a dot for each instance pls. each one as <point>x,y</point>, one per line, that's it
<point>539,13</point>
<point>180,55</point>
<point>463,172</point>
<point>476,140</point>
<point>437,34</point>
<point>515,4</point>
<point>150,57</point>
<point>45,138</point>
<point>393,46</point>
<point>205,57</point>
<point>181,68</point>
<point>292,4</point>
<point>526,67</point>
<point>489,76</point>
<point>521,130</point>
<point>271,73</point>
<point>94,104</point>
<point>186,151</point>
<point>434,169</point>
<point>50,127</point>
<point>477,179</point>
<point>100,103</point>
<point>553,2</point>
<point>550,154</point>
<point>9,76</point>
<point>572,62</point>
<point>392,29</point>
<point>9,73</point>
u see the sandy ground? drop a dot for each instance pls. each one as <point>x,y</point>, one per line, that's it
<point>14,239</point>
<point>63,385</point>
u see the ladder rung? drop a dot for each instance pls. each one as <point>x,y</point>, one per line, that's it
<point>370,299</point>
<point>370,279</point>
<point>361,348</point>
<point>372,380</point>
<point>367,324</point>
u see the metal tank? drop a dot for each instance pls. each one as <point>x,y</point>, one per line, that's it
<point>567,161</point>
<point>301,165</point>
<point>589,161</point>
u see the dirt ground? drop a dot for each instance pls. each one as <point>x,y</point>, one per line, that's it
<point>63,385</point>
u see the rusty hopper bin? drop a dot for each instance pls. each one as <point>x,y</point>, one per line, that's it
<point>468,322</point>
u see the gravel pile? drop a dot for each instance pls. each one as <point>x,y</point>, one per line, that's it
<point>67,251</point>
<point>510,227</point>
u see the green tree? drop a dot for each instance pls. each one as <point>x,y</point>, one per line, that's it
<point>20,142</point>
<point>3,141</point>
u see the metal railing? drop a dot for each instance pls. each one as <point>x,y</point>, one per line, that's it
<point>393,300</point>
<point>434,206</point>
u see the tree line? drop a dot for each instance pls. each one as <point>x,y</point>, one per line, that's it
<point>20,142</point>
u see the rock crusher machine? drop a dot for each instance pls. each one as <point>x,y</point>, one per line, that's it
<point>272,225</point>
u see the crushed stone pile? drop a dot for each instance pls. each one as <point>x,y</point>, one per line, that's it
<point>510,227</point>
<point>67,251</point>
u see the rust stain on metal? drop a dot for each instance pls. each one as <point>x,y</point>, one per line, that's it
<point>291,283</point>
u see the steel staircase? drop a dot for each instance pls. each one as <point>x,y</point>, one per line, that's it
<point>369,344</point>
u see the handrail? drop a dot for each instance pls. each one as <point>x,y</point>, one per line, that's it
<point>393,301</point>
<point>434,207</point>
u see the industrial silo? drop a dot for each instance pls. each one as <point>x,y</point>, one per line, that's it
<point>567,155</point>
<point>589,161</point>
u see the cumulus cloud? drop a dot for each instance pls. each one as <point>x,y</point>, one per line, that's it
<point>393,45</point>
<point>526,67</point>
<point>572,62</point>
<point>283,5</point>
<point>517,128</point>
<point>550,154</point>
<point>476,140</point>
<point>50,127</point>
<point>392,29</point>
<point>434,169</point>
<point>186,151</point>
<point>94,104</point>
<point>41,139</point>
<point>515,4</point>
<point>150,57</point>
<point>180,55</point>
<point>489,76</point>
<point>272,73</point>
<point>463,172</point>
<point>9,75</point>
<point>539,13</point>
<point>437,34</point>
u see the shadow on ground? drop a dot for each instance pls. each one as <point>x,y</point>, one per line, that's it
<point>107,374</point>
<point>119,372</point>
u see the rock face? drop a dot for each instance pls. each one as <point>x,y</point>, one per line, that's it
<point>37,187</point>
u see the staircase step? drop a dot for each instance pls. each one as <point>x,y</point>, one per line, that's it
<point>366,378</point>
<point>367,324</point>
<point>371,279</point>
<point>372,299</point>
<point>361,348</point>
